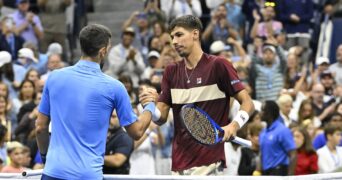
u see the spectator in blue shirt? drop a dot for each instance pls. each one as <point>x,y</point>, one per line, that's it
<point>79,101</point>
<point>320,140</point>
<point>277,145</point>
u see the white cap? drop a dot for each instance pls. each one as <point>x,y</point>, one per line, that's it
<point>153,54</point>
<point>54,48</point>
<point>219,46</point>
<point>322,60</point>
<point>27,53</point>
<point>5,57</point>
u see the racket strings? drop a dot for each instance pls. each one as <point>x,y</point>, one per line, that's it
<point>199,126</point>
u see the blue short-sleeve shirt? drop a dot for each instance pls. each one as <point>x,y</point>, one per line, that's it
<point>275,143</point>
<point>79,101</point>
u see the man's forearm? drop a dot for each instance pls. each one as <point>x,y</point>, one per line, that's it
<point>43,140</point>
<point>293,162</point>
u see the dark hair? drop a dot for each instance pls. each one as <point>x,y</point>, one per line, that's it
<point>188,22</point>
<point>301,107</point>
<point>28,73</point>
<point>271,110</point>
<point>21,97</point>
<point>7,71</point>
<point>330,129</point>
<point>3,132</point>
<point>94,37</point>
<point>307,144</point>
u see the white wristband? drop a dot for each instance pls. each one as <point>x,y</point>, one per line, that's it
<point>241,117</point>
<point>156,115</point>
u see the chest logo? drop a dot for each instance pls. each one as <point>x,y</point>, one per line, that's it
<point>199,80</point>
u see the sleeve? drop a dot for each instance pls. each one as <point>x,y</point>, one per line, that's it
<point>165,94</point>
<point>44,105</point>
<point>123,106</point>
<point>38,23</point>
<point>318,142</point>
<point>228,80</point>
<point>287,140</point>
<point>125,146</point>
<point>282,12</point>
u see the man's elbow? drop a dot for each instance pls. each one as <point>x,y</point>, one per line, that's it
<point>40,129</point>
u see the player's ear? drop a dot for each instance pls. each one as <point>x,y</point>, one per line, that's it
<point>196,34</point>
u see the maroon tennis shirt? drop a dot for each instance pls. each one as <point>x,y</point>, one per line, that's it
<point>212,82</point>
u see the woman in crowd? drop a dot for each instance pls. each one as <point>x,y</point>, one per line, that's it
<point>306,155</point>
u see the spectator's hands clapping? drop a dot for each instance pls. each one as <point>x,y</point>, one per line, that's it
<point>256,15</point>
<point>131,54</point>
<point>295,18</point>
<point>29,17</point>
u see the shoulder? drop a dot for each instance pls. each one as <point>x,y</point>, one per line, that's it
<point>322,150</point>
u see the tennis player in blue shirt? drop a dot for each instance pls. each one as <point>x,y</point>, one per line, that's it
<point>79,101</point>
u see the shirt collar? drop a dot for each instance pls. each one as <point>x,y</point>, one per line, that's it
<point>89,64</point>
<point>275,124</point>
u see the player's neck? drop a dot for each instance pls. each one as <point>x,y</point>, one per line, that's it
<point>194,58</point>
<point>87,58</point>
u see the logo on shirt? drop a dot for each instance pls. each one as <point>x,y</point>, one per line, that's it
<point>199,80</point>
<point>234,81</point>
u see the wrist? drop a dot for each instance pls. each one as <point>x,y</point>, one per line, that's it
<point>241,118</point>
<point>151,107</point>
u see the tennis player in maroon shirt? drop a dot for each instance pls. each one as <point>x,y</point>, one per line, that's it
<point>209,81</point>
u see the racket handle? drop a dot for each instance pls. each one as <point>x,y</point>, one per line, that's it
<point>242,142</point>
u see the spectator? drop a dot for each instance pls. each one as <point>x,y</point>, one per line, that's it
<point>153,58</point>
<point>119,147</point>
<point>306,112</point>
<point>277,146</point>
<point>327,80</point>
<point>54,62</point>
<point>154,14</point>
<point>26,58</point>
<point>126,59</point>
<point>250,159</point>
<point>322,64</point>
<point>128,83</point>
<point>268,27</point>
<point>26,162</point>
<point>296,17</point>
<point>54,21</point>
<point>321,109</point>
<point>336,68</point>
<point>42,58</point>
<point>15,153</point>
<point>27,93</point>
<point>320,140</point>
<point>4,118</point>
<point>142,31</point>
<point>10,73</point>
<point>269,73</point>
<point>9,41</point>
<point>306,155</point>
<point>3,146</point>
<point>330,155</point>
<point>235,15</point>
<point>28,25</point>
<point>219,27</point>
<point>32,75</point>
<point>285,105</point>
<point>177,8</point>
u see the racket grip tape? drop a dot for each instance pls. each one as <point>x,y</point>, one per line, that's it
<point>242,142</point>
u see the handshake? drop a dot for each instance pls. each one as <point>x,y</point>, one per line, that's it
<point>147,98</point>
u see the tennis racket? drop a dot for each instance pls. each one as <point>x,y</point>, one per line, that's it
<point>203,128</point>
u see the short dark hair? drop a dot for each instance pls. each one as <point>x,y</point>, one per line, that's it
<point>94,37</point>
<point>330,129</point>
<point>188,22</point>
<point>271,109</point>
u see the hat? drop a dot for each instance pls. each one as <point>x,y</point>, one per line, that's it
<point>54,48</point>
<point>22,1</point>
<point>129,30</point>
<point>219,46</point>
<point>27,53</point>
<point>321,60</point>
<point>326,73</point>
<point>269,47</point>
<point>5,57</point>
<point>153,54</point>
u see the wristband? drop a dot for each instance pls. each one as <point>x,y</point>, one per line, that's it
<point>241,117</point>
<point>150,107</point>
<point>156,115</point>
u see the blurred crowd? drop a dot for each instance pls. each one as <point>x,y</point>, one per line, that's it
<point>276,46</point>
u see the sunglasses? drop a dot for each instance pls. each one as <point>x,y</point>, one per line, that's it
<point>270,4</point>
